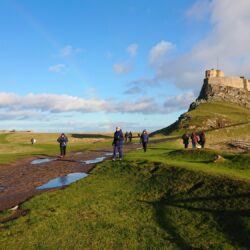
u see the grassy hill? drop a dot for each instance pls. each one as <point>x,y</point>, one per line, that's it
<point>209,116</point>
<point>168,198</point>
<point>223,122</point>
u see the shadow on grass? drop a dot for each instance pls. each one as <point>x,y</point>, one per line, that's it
<point>91,136</point>
<point>226,210</point>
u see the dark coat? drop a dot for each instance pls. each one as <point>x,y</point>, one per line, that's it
<point>144,138</point>
<point>118,138</point>
<point>63,141</point>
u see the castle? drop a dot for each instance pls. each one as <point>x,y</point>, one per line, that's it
<point>215,76</point>
<point>218,87</point>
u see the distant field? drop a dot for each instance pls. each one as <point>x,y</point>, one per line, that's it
<point>17,145</point>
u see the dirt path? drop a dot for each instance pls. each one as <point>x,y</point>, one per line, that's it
<point>18,182</point>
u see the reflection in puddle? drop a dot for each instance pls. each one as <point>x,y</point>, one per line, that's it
<point>79,153</point>
<point>96,160</point>
<point>44,160</point>
<point>109,154</point>
<point>62,181</point>
<point>2,188</point>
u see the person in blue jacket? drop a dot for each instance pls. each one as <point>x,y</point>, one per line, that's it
<point>144,139</point>
<point>63,140</point>
<point>118,143</point>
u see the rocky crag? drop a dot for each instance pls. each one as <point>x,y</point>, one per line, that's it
<point>216,88</point>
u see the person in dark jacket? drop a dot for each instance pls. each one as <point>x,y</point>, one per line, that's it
<point>130,136</point>
<point>202,140</point>
<point>185,139</point>
<point>63,140</point>
<point>118,143</point>
<point>126,137</point>
<point>144,139</point>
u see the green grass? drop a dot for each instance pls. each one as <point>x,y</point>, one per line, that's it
<point>167,198</point>
<point>15,146</point>
<point>136,205</point>
<point>206,115</point>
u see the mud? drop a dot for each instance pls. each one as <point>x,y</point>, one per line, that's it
<point>19,181</point>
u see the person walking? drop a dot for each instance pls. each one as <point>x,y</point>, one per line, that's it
<point>130,136</point>
<point>62,140</point>
<point>126,137</point>
<point>194,139</point>
<point>202,140</point>
<point>118,143</point>
<point>144,139</point>
<point>185,139</point>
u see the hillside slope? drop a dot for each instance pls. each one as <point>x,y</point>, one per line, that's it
<point>209,116</point>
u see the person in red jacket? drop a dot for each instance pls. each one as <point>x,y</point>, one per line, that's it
<point>194,139</point>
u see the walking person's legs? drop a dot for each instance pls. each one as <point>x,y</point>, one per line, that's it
<point>61,151</point>
<point>64,151</point>
<point>114,152</point>
<point>120,151</point>
<point>144,146</point>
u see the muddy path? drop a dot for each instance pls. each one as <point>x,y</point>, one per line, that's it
<point>19,181</point>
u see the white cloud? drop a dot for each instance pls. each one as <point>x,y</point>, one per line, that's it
<point>69,50</point>
<point>179,102</point>
<point>122,68</point>
<point>37,104</point>
<point>134,90</point>
<point>228,40</point>
<point>199,10</point>
<point>132,49</point>
<point>57,68</point>
<point>159,51</point>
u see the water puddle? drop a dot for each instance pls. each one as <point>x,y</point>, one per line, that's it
<point>96,160</point>
<point>2,188</point>
<point>44,160</point>
<point>62,181</point>
<point>79,153</point>
<point>109,154</point>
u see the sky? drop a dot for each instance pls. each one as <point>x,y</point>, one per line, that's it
<point>92,65</point>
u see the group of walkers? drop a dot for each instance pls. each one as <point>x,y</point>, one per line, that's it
<point>117,143</point>
<point>119,139</point>
<point>198,140</point>
<point>128,137</point>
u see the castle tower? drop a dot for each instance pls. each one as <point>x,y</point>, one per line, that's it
<point>214,73</point>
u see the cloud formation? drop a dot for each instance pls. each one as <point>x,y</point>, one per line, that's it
<point>57,68</point>
<point>227,41</point>
<point>69,50</point>
<point>158,53</point>
<point>122,68</point>
<point>37,104</point>
<point>132,49</point>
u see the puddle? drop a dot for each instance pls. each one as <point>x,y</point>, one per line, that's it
<point>62,181</point>
<point>109,154</point>
<point>2,188</point>
<point>79,153</point>
<point>44,160</point>
<point>96,160</point>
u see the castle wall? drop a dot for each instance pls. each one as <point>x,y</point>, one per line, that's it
<point>248,85</point>
<point>234,82</point>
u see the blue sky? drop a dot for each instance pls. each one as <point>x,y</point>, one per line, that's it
<point>92,65</point>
